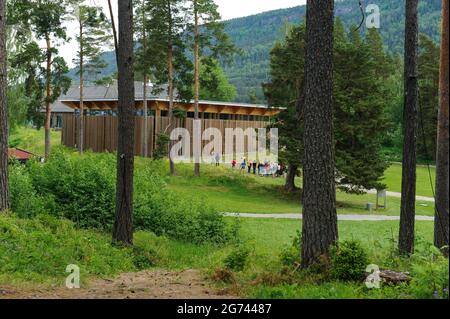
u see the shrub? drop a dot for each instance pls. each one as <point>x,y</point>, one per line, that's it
<point>348,261</point>
<point>82,189</point>
<point>144,257</point>
<point>163,212</point>
<point>430,272</point>
<point>290,255</point>
<point>237,259</point>
<point>24,199</point>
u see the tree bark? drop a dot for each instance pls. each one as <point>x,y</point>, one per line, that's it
<point>81,141</point>
<point>196,78</point>
<point>4,195</point>
<point>441,226</point>
<point>289,186</point>
<point>123,225</point>
<point>408,200</point>
<point>320,229</point>
<point>171,91</point>
<point>145,102</point>
<point>48,107</point>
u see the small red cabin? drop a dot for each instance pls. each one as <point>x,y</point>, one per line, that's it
<point>20,155</point>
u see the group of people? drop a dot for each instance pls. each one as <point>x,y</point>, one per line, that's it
<point>265,168</point>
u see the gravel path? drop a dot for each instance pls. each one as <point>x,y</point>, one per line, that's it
<point>375,218</point>
<point>399,195</point>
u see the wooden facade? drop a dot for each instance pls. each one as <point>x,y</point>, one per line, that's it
<point>101,131</point>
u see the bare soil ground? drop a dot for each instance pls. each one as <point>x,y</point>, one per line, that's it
<point>150,284</point>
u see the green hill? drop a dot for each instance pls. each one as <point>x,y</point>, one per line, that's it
<point>257,34</point>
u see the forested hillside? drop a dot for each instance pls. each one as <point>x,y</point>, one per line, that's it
<point>257,34</point>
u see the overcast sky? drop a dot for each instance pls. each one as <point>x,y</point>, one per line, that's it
<point>229,9</point>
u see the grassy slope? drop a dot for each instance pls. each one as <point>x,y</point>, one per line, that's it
<point>33,140</point>
<point>393,178</point>
<point>249,194</point>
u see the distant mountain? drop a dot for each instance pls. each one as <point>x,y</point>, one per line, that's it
<point>257,34</point>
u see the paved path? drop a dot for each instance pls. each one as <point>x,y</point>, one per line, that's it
<point>399,195</point>
<point>375,218</point>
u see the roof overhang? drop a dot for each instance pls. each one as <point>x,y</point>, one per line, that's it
<point>163,105</point>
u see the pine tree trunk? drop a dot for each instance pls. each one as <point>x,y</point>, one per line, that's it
<point>171,91</point>
<point>408,201</point>
<point>441,226</point>
<point>145,102</point>
<point>123,225</point>
<point>196,80</point>
<point>289,186</point>
<point>81,141</point>
<point>4,195</point>
<point>48,107</point>
<point>320,229</point>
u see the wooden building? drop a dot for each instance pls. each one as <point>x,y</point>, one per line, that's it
<point>100,103</point>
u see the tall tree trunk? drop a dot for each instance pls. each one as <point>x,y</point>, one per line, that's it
<point>441,226</point>
<point>48,107</point>
<point>289,186</point>
<point>145,102</point>
<point>171,91</point>
<point>123,225</point>
<point>408,201</point>
<point>4,195</point>
<point>81,141</point>
<point>320,229</point>
<point>196,79</point>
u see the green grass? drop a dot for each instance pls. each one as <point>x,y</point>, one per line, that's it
<point>38,251</point>
<point>32,140</point>
<point>393,179</point>
<point>230,191</point>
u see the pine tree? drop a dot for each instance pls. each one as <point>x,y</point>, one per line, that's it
<point>287,62</point>
<point>92,37</point>
<point>320,229</point>
<point>441,225</point>
<point>123,225</point>
<point>165,59</point>
<point>408,201</point>
<point>359,118</point>
<point>4,194</point>
<point>45,19</point>
<point>428,97</point>
<point>359,93</point>
<point>208,35</point>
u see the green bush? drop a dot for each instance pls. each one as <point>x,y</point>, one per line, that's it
<point>24,199</point>
<point>348,261</point>
<point>430,272</point>
<point>163,212</point>
<point>237,259</point>
<point>82,189</point>
<point>290,255</point>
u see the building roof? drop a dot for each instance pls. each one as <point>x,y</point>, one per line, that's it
<point>19,154</point>
<point>105,97</point>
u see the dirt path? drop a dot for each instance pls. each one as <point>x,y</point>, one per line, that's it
<point>151,284</point>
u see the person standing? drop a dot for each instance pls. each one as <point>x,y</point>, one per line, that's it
<point>254,167</point>
<point>217,159</point>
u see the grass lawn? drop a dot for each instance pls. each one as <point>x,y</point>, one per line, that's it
<point>231,191</point>
<point>393,179</point>
<point>33,140</point>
